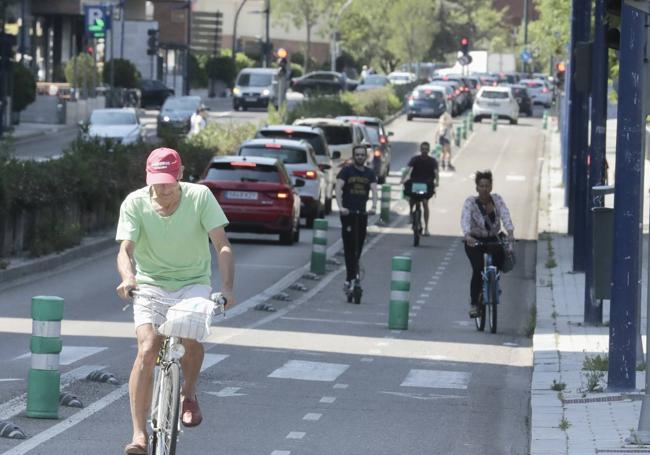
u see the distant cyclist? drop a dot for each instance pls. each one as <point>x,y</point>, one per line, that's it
<point>481,220</point>
<point>422,169</point>
<point>353,185</point>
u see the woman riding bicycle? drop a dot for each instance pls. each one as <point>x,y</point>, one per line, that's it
<point>481,221</point>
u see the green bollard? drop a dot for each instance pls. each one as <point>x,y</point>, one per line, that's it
<point>470,122</point>
<point>319,247</point>
<point>44,379</point>
<point>437,151</point>
<point>400,287</point>
<point>465,128</point>
<point>385,203</point>
<point>458,135</point>
<point>494,122</point>
<point>545,120</point>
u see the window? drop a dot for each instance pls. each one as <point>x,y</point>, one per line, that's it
<point>255,80</point>
<point>99,117</point>
<point>494,95</point>
<point>315,140</point>
<point>337,135</point>
<point>287,155</point>
<point>181,104</point>
<point>257,173</point>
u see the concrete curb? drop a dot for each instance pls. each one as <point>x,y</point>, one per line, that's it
<point>37,134</point>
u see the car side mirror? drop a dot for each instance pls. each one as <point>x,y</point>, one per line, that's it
<point>390,133</point>
<point>336,155</point>
<point>299,183</point>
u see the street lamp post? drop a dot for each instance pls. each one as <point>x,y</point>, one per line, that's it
<point>334,32</point>
<point>188,40</point>
<point>234,28</point>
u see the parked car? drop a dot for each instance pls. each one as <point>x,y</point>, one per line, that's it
<point>300,161</point>
<point>428,101</point>
<point>316,138</point>
<point>496,100</point>
<point>153,93</point>
<point>121,125</point>
<point>463,90</point>
<point>401,78</point>
<point>372,81</point>
<point>257,195</point>
<point>539,92</point>
<point>520,92</point>
<point>255,87</point>
<point>325,82</point>
<point>377,137</point>
<point>341,136</point>
<point>174,116</point>
<point>459,99</point>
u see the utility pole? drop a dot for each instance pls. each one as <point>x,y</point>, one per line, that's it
<point>188,41</point>
<point>123,18</point>
<point>621,373</point>
<point>234,29</point>
<point>578,134</point>
<point>525,32</point>
<point>334,37</point>
<point>267,43</point>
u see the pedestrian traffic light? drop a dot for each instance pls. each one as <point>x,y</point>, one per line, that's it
<point>464,45</point>
<point>613,36</point>
<point>152,42</point>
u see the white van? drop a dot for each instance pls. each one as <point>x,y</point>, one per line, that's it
<point>255,87</point>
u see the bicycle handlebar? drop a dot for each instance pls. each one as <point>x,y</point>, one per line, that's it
<point>217,297</point>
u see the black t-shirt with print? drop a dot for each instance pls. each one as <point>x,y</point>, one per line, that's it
<point>425,168</point>
<point>357,186</point>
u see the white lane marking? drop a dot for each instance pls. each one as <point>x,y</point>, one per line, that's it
<point>437,379</point>
<point>428,288</point>
<point>396,331</point>
<point>417,307</point>
<point>265,266</point>
<point>312,416</point>
<point>462,323</point>
<point>511,344</point>
<point>210,360</point>
<point>335,321</point>
<point>71,354</point>
<point>281,452</point>
<point>11,379</point>
<point>418,396</point>
<point>515,178</point>
<point>296,435</point>
<point>501,153</point>
<point>327,400</point>
<point>422,302</point>
<point>309,371</point>
<point>436,357</point>
<point>227,392</point>
<point>367,359</point>
<point>383,343</point>
<point>17,405</point>
<point>340,386</point>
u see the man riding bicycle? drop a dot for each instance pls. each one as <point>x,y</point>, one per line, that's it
<point>422,169</point>
<point>163,232</point>
<point>353,183</point>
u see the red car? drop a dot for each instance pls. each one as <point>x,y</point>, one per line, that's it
<point>257,195</point>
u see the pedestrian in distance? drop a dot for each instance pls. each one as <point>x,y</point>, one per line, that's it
<point>481,221</point>
<point>422,168</point>
<point>197,121</point>
<point>163,230</point>
<point>353,184</point>
<point>445,135</point>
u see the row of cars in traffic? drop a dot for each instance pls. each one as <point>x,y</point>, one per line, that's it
<point>288,172</point>
<point>506,95</point>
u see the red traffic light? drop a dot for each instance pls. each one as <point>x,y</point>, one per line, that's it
<point>464,41</point>
<point>560,67</point>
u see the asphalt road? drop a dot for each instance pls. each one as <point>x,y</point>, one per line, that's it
<point>319,376</point>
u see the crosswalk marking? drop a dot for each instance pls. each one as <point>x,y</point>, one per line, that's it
<point>210,360</point>
<point>309,371</point>
<point>71,354</point>
<point>437,379</point>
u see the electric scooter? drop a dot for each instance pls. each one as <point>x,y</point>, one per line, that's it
<point>354,292</point>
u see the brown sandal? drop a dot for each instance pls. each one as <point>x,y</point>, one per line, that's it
<point>135,449</point>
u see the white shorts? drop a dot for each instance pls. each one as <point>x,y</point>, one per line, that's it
<point>147,312</point>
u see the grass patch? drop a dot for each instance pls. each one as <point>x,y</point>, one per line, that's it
<point>564,424</point>
<point>532,322</point>
<point>596,363</point>
<point>3,264</point>
<point>558,386</point>
<point>550,263</point>
<point>594,380</point>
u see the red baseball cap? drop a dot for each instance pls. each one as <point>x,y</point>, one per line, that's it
<point>163,166</point>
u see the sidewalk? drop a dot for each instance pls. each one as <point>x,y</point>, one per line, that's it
<point>571,416</point>
<point>26,130</point>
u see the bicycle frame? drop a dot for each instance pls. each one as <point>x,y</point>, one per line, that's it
<point>490,271</point>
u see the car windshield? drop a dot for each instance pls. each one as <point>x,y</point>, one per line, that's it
<point>494,95</point>
<point>372,134</point>
<point>180,104</point>
<point>337,135</point>
<point>425,94</point>
<point>255,80</point>
<point>314,139</point>
<point>374,80</point>
<point>250,173</point>
<point>519,91</point>
<point>287,155</point>
<point>112,118</point>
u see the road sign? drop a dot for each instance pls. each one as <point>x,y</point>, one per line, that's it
<point>525,56</point>
<point>465,60</point>
<point>97,20</point>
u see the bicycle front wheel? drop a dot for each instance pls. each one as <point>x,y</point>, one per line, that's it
<point>492,306</point>
<point>166,428</point>
<point>417,229</point>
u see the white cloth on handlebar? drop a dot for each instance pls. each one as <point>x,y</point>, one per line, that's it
<point>189,318</point>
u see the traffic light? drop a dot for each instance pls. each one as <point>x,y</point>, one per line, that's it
<point>283,62</point>
<point>152,41</point>
<point>613,37</point>
<point>560,72</point>
<point>464,45</point>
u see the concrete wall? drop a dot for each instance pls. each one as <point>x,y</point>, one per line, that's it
<point>135,44</point>
<point>80,110</point>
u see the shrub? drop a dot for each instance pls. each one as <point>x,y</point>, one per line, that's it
<point>221,68</point>
<point>126,74</point>
<point>296,70</point>
<point>329,106</point>
<point>81,71</point>
<point>380,102</point>
<point>24,92</point>
<point>197,74</point>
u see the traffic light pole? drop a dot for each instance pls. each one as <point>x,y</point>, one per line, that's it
<point>188,40</point>
<point>621,374</point>
<point>593,311</point>
<point>578,135</point>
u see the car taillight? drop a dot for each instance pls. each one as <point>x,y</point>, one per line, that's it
<point>377,153</point>
<point>382,139</point>
<point>544,90</point>
<point>273,146</point>
<point>282,195</point>
<point>457,91</point>
<point>310,175</point>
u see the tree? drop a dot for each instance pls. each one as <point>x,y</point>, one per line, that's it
<point>551,31</point>
<point>301,13</point>
<point>24,92</point>
<point>126,74</point>
<point>221,68</point>
<point>414,39</point>
<point>81,72</point>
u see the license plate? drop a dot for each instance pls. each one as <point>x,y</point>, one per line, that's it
<point>251,99</point>
<point>427,110</point>
<point>493,104</point>
<point>247,195</point>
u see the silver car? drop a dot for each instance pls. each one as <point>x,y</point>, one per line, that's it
<point>300,160</point>
<point>121,125</point>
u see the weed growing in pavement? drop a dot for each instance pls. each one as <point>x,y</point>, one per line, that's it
<point>3,264</point>
<point>594,380</point>
<point>560,396</point>
<point>640,366</point>
<point>554,314</point>
<point>558,386</point>
<point>597,362</point>
<point>564,424</point>
<point>550,263</point>
<point>544,236</point>
<point>532,322</point>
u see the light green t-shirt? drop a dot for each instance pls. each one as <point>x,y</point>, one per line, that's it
<point>171,251</point>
